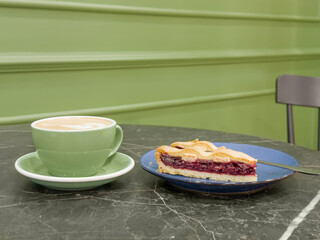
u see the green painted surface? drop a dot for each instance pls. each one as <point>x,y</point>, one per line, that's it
<point>33,30</point>
<point>148,62</point>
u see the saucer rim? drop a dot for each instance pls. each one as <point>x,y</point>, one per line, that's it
<point>72,179</point>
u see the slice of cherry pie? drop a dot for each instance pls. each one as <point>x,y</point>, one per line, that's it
<point>202,159</point>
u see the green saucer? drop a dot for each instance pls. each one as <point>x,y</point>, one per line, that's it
<point>31,166</point>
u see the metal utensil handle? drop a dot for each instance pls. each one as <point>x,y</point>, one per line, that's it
<point>297,169</point>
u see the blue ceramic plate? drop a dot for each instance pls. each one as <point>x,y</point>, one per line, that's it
<point>267,175</point>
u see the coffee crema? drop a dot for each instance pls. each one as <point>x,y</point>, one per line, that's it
<point>73,123</point>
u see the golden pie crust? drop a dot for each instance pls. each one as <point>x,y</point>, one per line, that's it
<point>204,150</point>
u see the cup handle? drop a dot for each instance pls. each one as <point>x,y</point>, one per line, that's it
<point>118,140</point>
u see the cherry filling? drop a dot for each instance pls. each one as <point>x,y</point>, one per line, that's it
<point>232,168</point>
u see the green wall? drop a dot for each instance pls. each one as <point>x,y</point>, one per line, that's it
<point>202,64</point>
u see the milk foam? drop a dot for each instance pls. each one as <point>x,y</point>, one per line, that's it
<point>79,126</point>
<point>73,123</point>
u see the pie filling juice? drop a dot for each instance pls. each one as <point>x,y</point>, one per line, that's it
<point>232,168</point>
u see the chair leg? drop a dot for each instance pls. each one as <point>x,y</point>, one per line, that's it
<point>290,124</point>
<point>318,129</point>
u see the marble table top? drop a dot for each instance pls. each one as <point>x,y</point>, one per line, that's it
<point>141,206</point>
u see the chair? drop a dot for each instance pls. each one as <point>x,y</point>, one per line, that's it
<point>298,90</point>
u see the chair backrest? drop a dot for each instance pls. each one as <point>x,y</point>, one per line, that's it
<point>298,90</point>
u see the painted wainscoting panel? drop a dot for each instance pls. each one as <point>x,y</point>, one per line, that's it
<point>55,30</point>
<point>208,65</point>
<point>29,62</point>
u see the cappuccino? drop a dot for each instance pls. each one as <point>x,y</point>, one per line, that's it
<point>75,123</point>
<point>75,146</point>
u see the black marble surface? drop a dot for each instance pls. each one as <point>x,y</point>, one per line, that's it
<point>142,206</point>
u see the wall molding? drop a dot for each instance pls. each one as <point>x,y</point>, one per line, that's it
<point>91,61</point>
<point>106,8</point>
<point>139,106</point>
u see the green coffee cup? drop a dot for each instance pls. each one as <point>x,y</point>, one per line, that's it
<point>75,146</point>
